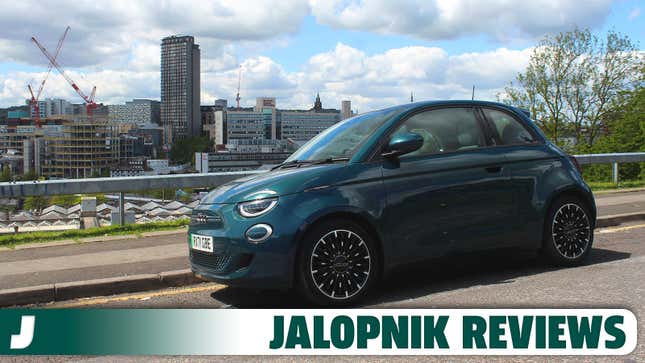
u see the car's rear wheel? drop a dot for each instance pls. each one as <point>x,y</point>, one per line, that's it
<point>568,234</point>
<point>338,263</point>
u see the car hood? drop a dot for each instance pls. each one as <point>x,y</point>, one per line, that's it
<point>273,183</point>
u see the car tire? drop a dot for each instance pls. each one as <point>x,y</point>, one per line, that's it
<point>337,264</point>
<point>568,232</point>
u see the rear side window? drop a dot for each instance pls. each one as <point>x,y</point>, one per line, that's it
<point>445,130</point>
<point>509,129</point>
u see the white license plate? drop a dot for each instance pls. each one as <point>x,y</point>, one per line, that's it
<point>201,243</point>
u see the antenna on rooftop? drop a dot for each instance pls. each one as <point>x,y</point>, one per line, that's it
<point>239,81</point>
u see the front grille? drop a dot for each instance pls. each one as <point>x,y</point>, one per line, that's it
<point>202,217</point>
<point>218,263</point>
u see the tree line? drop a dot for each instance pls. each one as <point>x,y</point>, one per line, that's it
<point>585,92</point>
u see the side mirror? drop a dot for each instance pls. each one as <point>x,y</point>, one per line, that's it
<point>403,143</point>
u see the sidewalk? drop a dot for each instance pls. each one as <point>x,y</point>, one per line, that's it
<point>609,203</point>
<point>120,259</point>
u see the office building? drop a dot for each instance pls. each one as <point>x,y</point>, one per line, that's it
<point>81,150</point>
<point>304,125</point>
<point>138,111</point>
<point>300,125</point>
<point>52,107</point>
<point>180,88</point>
<point>228,161</point>
<point>266,106</point>
<point>346,109</point>
<point>245,124</point>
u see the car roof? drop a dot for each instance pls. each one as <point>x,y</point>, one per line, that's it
<point>423,104</point>
<point>403,108</point>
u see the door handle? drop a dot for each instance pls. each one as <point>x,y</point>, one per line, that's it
<point>494,169</point>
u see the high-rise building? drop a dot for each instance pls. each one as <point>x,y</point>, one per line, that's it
<point>138,111</point>
<point>180,87</point>
<point>345,109</point>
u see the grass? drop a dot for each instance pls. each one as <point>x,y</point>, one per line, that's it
<point>10,240</point>
<point>596,186</point>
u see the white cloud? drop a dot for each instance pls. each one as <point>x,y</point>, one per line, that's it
<point>109,33</point>
<point>369,81</point>
<point>451,19</point>
<point>388,78</point>
<point>115,46</point>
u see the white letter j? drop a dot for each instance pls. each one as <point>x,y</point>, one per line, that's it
<point>23,340</point>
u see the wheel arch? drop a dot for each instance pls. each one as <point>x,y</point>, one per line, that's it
<point>572,191</point>
<point>577,192</point>
<point>355,215</point>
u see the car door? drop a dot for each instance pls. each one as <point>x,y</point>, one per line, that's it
<point>528,161</point>
<point>451,194</point>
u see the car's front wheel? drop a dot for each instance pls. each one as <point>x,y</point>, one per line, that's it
<point>568,232</point>
<point>338,263</point>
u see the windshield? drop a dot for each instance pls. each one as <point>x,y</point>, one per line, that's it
<point>342,139</point>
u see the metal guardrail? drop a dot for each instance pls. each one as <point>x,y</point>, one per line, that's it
<point>120,184</point>
<point>612,158</point>
<point>138,183</point>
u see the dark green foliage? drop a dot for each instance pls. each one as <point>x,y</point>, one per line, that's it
<point>183,151</point>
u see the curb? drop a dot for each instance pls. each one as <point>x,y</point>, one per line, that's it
<point>98,287</point>
<point>619,191</point>
<point>616,219</point>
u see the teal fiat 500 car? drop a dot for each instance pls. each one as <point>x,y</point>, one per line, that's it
<point>392,187</point>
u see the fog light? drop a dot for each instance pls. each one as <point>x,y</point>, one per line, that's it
<point>258,233</point>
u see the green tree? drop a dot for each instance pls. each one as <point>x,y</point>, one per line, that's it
<point>66,200</point>
<point>183,151</point>
<point>572,81</point>
<point>37,203</point>
<point>625,132</point>
<point>6,174</point>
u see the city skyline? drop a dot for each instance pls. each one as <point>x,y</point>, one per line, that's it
<point>301,49</point>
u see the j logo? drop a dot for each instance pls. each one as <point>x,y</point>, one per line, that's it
<point>23,340</point>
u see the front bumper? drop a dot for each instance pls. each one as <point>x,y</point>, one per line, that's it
<point>238,262</point>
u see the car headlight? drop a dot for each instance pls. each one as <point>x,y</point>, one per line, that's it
<point>256,208</point>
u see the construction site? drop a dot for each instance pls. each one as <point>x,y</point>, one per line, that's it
<point>75,141</point>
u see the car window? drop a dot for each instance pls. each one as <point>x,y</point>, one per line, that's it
<point>444,130</point>
<point>509,130</point>
<point>343,138</point>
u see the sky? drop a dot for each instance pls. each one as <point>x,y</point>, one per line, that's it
<point>374,53</point>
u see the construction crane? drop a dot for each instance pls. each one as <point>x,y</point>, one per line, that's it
<point>33,102</point>
<point>239,81</point>
<point>89,101</point>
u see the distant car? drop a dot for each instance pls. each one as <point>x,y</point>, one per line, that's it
<point>391,187</point>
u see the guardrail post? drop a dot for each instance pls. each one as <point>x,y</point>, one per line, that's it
<point>614,173</point>
<point>122,208</point>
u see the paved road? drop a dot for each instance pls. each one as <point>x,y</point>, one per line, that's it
<point>613,277</point>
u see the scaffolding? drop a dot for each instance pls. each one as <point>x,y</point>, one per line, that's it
<point>82,150</point>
